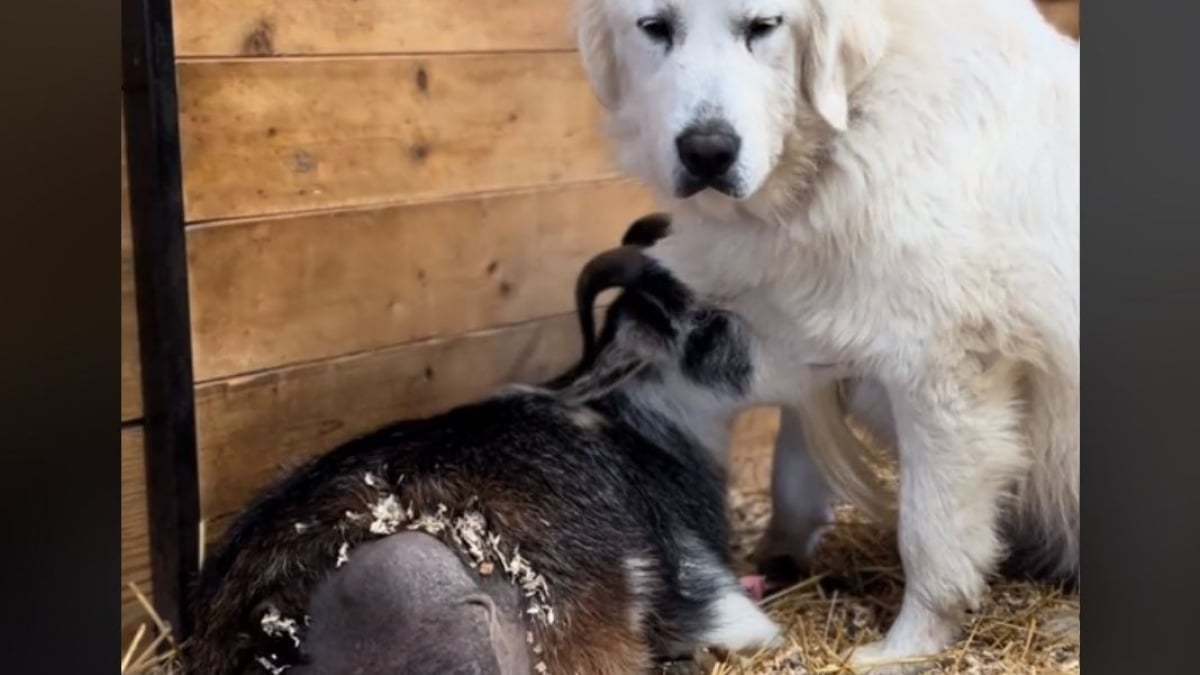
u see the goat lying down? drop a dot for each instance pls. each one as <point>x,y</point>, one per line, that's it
<point>577,527</point>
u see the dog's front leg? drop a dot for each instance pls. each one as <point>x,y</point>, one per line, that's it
<point>800,506</point>
<point>960,450</point>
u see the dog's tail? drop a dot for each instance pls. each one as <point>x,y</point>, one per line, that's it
<point>1043,530</point>
<point>842,457</point>
<point>1042,525</point>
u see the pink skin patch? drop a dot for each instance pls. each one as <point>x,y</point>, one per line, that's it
<point>755,586</point>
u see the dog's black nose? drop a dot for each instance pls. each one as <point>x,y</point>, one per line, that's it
<point>709,149</point>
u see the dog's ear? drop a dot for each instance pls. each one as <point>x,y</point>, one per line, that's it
<point>844,41</point>
<point>595,42</point>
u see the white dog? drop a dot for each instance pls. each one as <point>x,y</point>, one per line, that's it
<point>889,191</point>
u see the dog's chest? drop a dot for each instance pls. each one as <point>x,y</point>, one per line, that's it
<point>839,314</point>
<point>839,331</point>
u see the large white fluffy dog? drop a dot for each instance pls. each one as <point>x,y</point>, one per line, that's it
<point>889,191</point>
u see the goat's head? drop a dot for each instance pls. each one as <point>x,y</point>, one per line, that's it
<point>659,340</point>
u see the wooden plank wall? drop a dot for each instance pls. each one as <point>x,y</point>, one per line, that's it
<point>387,204</point>
<point>1064,14</point>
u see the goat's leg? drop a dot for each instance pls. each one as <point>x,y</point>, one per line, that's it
<point>737,623</point>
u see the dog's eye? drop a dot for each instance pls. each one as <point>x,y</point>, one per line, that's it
<point>760,28</point>
<point>657,29</point>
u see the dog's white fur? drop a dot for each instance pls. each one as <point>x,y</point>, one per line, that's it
<point>904,210</point>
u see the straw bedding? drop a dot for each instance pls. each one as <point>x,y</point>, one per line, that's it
<point>1021,628</point>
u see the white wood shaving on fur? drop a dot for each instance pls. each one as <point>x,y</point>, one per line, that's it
<point>432,523</point>
<point>387,515</point>
<point>269,665</point>
<point>373,481</point>
<point>532,583</point>
<point>343,555</point>
<point>276,625</point>
<point>469,532</point>
<point>300,527</point>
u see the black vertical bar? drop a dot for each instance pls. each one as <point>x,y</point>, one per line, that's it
<point>164,328</point>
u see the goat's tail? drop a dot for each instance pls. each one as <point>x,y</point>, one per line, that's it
<point>842,457</point>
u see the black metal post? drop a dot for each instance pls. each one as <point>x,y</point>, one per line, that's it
<point>164,328</point>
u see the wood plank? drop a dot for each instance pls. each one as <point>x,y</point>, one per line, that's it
<point>271,136</point>
<point>282,291</point>
<point>223,28</point>
<point>1063,14</point>
<point>226,28</point>
<point>135,532</point>
<point>250,428</point>
<point>264,27</point>
<point>131,376</point>
<point>752,449</point>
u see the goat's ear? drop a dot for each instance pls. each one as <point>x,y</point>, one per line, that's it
<point>595,42</point>
<point>844,41</point>
<point>609,372</point>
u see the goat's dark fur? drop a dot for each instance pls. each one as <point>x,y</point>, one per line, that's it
<point>581,477</point>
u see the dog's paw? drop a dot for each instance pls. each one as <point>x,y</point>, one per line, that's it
<point>875,658</point>
<point>786,559</point>
<point>776,571</point>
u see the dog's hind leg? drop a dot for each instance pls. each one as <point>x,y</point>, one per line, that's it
<point>961,450</point>
<point>1042,528</point>
<point>868,404</point>
<point>816,457</point>
<point>801,506</point>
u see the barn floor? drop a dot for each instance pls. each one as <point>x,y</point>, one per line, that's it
<point>1022,627</point>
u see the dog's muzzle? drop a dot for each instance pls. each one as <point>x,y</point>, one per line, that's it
<point>708,150</point>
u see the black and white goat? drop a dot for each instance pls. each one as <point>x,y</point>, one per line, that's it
<point>575,528</point>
